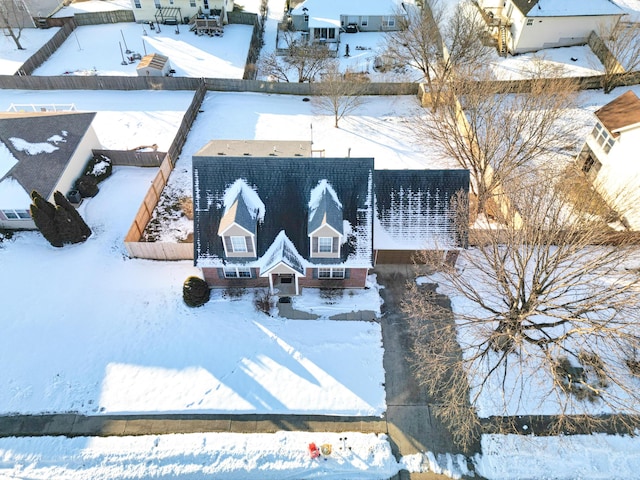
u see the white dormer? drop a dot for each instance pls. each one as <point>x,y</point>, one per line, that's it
<point>325,225</point>
<point>243,209</point>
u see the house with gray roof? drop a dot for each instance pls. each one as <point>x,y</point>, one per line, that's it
<point>288,222</point>
<point>42,151</point>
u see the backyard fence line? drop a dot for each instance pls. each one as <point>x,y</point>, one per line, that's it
<point>92,82</point>
<point>163,250</point>
<point>98,18</point>
<point>67,26</point>
<point>149,203</point>
<point>132,158</point>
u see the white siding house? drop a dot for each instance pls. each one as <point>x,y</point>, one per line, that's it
<point>531,25</point>
<point>45,152</point>
<point>156,10</point>
<point>325,19</point>
<point>610,156</point>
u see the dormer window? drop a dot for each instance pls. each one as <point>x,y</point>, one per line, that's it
<point>243,209</point>
<point>325,222</point>
<point>325,244</point>
<point>238,244</point>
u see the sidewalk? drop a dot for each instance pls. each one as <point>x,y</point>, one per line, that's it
<point>72,425</point>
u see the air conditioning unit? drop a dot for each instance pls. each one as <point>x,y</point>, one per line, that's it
<point>74,196</point>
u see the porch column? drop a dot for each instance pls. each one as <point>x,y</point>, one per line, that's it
<point>296,280</point>
<point>271,283</point>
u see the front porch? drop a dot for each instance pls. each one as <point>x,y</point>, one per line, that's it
<point>284,285</point>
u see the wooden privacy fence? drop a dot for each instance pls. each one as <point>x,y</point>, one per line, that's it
<point>131,158</point>
<point>154,250</point>
<point>80,82</point>
<point>67,26</point>
<point>163,250</point>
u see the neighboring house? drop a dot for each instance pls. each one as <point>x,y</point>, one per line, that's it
<point>324,19</point>
<point>40,151</point>
<point>609,156</point>
<point>287,221</point>
<point>179,11</point>
<point>153,65</point>
<point>531,25</point>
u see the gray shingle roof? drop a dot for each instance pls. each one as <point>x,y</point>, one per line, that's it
<point>42,171</point>
<point>284,185</point>
<point>414,209</point>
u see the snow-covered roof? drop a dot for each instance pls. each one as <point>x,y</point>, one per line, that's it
<point>325,208</point>
<point>36,148</point>
<point>414,209</point>
<point>282,251</point>
<point>289,188</point>
<point>567,8</point>
<point>7,160</point>
<point>13,195</point>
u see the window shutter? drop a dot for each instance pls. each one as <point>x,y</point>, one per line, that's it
<point>220,273</point>
<point>347,273</point>
<point>335,248</point>
<point>314,242</point>
<point>249,244</point>
<point>314,275</point>
<point>227,244</point>
<point>254,273</point>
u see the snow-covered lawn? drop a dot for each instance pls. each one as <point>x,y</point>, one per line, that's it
<point>95,332</point>
<point>95,50</point>
<point>31,39</point>
<point>223,456</point>
<point>124,120</point>
<point>577,61</point>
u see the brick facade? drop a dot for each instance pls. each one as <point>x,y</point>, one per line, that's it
<point>215,278</point>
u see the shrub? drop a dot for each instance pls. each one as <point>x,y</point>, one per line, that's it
<point>263,301</point>
<point>233,292</point>
<point>87,186</point>
<point>99,167</point>
<point>195,292</point>
<point>59,224</point>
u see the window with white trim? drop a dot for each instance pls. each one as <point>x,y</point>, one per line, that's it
<point>529,22</point>
<point>157,3</point>
<point>12,214</point>
<point>192,3</point>
<point>137,3</point>
<point>389,22</point>
<point>238,244</point>
<point>237,272</point>
<point>364,21</point>
<point>325,244</point>
<point>326,273</point>
<point>603,138</point>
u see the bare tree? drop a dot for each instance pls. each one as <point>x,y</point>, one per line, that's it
<point>302,59</point>
<point>495,135</point>
<point>13,18</point>
<point>621,58</point>
<point>438,45</point>
<point>340,94</point>
<point>275,68</point>
<point>545,313</point>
